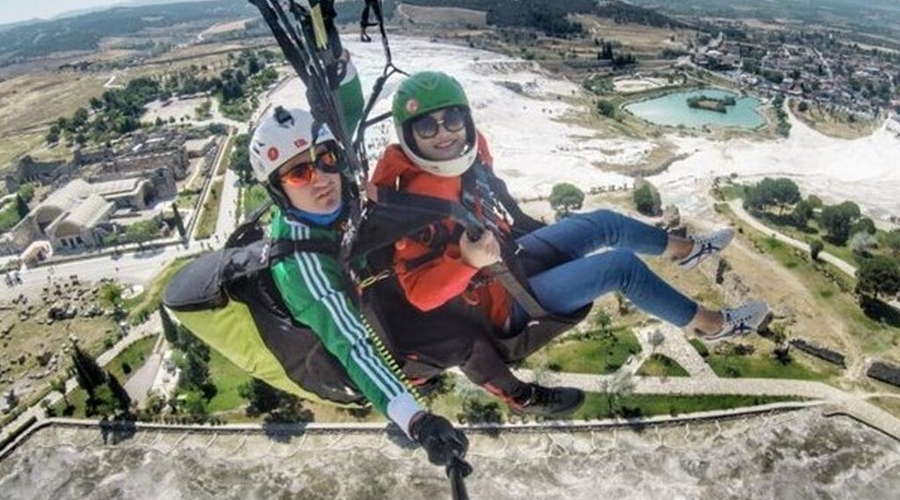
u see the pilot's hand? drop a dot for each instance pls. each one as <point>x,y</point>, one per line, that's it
<point>438,437</point>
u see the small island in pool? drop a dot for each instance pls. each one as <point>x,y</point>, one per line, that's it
<point>711,103</point>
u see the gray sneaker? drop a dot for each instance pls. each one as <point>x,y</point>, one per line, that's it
<point>706,245</point>
<point>740,320</point>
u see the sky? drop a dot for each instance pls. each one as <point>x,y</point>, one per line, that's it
<point>12,11</point>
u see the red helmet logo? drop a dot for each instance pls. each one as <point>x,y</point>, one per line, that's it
<point>300,143</point>
<point>272,153</point>
<point>412,106</point>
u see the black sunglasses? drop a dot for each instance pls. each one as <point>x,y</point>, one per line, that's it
<point>427,126</point>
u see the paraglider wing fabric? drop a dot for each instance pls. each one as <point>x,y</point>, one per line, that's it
<point>298,349</point>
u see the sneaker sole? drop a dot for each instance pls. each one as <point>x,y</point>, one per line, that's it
<point>558,413</point>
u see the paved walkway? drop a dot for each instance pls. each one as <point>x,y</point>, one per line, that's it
<point>674,346</point>
<point>152,326</point>
<point>854,404</point>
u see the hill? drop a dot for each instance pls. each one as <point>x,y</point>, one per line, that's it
<point>84,32</point>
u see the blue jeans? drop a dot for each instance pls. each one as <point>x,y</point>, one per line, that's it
<point>565,277</point>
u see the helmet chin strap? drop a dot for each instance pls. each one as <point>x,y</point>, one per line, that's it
<point>278,195</point>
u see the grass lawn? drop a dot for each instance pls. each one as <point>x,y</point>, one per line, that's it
<point>226,155</point>
<point>252,197</point>
<point>597,354</point>
<point>210,215</point>
<point>764,365</point>
<point>658,365</point>
<point>78,401</point>
<point>647,405</point>
<point>874,337</point>
<point>148,302</point>
<point>731,191</point>
<point>227,378</point>
<point>133,357</point>
<point>780,223</point>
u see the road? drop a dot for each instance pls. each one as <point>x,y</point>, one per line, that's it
<point>738,208</point>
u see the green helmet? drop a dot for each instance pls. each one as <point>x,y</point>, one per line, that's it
<point>423,93</point>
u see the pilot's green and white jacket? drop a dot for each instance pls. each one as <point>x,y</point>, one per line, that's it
<point>315,291</point>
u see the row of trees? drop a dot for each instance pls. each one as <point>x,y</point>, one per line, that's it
<point>840,221</point>
<point>877,275</point>
<point>118,111</point>
<point>195,387</point>
<point>106,396</point>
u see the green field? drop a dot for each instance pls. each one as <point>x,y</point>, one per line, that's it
<point>648,405</point>
<point>597,354</point>
<point>147,303</point>
<point>134,357</point>
<point>764,365</point>
<point>658,365</point>
<point>227,378</point>
<point>210,214</point>
<point>874,337</point>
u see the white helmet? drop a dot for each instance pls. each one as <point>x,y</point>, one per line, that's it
<point>281,136</point>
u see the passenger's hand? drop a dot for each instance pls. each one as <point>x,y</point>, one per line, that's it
<point>479,253</point>
<point>438,437</point>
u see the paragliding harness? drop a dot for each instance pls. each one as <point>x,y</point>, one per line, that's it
<point>484,201</point>
<point>236,280</point>
<point>228,299</point>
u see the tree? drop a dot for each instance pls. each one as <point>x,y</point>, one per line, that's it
<point>21,207</point>
<point>862,243</point>
<point>646,201</point>
<point>87,372</point>
<point>170,330</point>
<point>779,192</point>
<point>619,386</point>
<point>142,231</point>
<point>815,248</point>
<point>606,108</point>
<point>838,220</point>
<point>864,225</point>
<point>476,412</point>
<point>179,221</point>
<point>26,191</point>
<point>815,201</point>
<point>878,275</point>
<point>566,197</point>
<point>192,402</point>
<point>194,372</point>
<point>803,107</point>
<point>103,402</point>
<point>118,392</point>
<point>892,242</point>
<point>240,159</point>
<point>52,135</point>
<point>263,398</point>
<point>802,213</point>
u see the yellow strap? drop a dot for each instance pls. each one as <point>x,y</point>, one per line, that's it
<point>319,27</point>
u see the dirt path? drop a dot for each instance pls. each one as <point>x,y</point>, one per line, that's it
<point>784,290</point>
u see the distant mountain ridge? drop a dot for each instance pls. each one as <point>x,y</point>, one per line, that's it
<point>551,16</point>
<point>83,32</point>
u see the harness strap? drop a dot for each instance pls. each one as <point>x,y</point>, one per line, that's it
<point>519,291</point>
<point>478,197</point>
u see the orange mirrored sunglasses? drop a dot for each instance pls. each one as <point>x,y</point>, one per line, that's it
<point>304,173</point>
